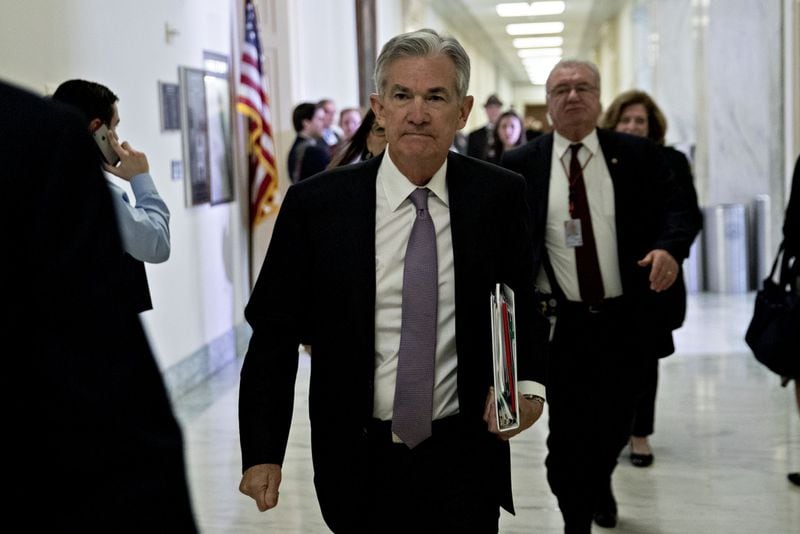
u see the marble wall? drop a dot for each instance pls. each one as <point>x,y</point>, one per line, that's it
<point>745,94</point>
<point>715,67</point>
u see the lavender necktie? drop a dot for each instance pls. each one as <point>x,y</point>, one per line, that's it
<point>413,396</point>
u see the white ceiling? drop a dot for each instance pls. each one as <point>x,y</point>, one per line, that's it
<point>582,21</point>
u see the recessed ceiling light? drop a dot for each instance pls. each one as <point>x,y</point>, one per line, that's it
<point>540,52</point>
<point>524,9</point>
<point>538,69</point>
<point>538,78</point>
<point>540,62</point>
<point>535,28</point>
<point>538,42</point>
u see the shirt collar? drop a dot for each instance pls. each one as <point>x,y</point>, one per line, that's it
<point>561,144</point>
<point>397,187</point>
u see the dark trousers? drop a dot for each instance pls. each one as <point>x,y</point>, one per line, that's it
<point>645,408</point>
<point>591,391</point>
<point>445,484</point>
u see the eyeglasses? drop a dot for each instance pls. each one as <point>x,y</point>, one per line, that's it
<point>580,89</point>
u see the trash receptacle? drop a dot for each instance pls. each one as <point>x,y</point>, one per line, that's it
<point>693,267</point>
<point>726,248</point>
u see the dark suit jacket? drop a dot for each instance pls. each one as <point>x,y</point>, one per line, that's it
<point>682,174</point>
<point>478,143</point>
<point>91,422</point>
<point>135,276</point>
<point>317,286</point>
<point>650,212</point>
<point>313,159</point>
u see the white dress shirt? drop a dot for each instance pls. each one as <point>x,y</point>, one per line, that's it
<point>394,217</point>
<point>600,192</point>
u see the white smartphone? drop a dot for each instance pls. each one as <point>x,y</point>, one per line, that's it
<point>103,143</point>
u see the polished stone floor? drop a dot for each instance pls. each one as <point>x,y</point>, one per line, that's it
<point>726,435</point>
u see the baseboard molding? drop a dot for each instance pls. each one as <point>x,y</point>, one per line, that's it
<point>196,368</point>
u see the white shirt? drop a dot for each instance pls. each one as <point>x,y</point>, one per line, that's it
<point>600,192</point>
<point>394,217</point>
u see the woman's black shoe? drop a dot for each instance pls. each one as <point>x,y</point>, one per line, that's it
<point>641,460</point>
<point>794,478</point>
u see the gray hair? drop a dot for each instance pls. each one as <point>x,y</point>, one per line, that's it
<point>573,63</point>
<point>420,43</point>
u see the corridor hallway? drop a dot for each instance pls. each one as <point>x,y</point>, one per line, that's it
<point>726,436</point>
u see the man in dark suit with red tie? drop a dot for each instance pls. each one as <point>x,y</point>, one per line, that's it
<point>386,268</point>
<point>610,230</point>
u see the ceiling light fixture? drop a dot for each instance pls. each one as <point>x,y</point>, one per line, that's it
<point>538,42</point>
<point>535,28</point>
<point>533,9</point>
<point>540,62</point>
<point>540,52</point>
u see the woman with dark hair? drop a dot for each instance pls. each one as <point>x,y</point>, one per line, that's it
<point>368,141</point>
<point>508,134</point>
<point>634,112</point>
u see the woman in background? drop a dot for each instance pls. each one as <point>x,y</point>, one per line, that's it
<point>349,121</point>
<point>508,134</point>
<point>368,141</point>
<point>634,112</point>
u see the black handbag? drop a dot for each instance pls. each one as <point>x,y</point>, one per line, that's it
<point>774,331</point>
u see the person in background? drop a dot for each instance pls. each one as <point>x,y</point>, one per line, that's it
<point>533,128</point>
<point>144,226</point>
<point>331,133</point>
<point>460,143</point>
<point>309,153</point>
<point>635,113</point>
<point>610,230</point>
<point>367,142</point>
<point>480,142</point>
<point>508,134</point>
<point>349,121</point>
<point>791,247</point>
<point>85,401</point>
<point>391,288</point>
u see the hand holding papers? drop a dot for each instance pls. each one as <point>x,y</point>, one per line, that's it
<point>504,358</point>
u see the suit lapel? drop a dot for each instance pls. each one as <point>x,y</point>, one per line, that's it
<point>538,189</point>
<point>460,219</point>
<point>358,240</point>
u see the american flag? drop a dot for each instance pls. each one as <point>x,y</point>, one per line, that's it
<point>253,103</point>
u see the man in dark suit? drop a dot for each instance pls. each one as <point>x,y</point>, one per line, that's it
<point>344,291</point>
<point>480,142</point>
<point>609,232</point>
<point>95,446</point>
<point>309,153</point>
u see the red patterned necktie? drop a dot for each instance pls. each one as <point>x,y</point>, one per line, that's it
<point>590,281</point>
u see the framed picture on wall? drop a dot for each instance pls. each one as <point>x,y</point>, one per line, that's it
<point>194,130</point>
<point>219,102</point>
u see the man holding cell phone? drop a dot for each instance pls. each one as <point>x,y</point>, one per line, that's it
<point>144,225</point>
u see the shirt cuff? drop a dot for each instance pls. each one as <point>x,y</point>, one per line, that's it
<point>529,387</point>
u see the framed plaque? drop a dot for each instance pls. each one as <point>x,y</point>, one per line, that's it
<point>194,129</point>
<point>219,102</point>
